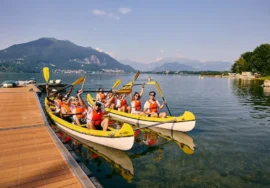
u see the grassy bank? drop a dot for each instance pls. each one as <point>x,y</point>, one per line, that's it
<point>264,78</point>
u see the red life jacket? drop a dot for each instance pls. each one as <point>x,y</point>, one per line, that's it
<point>137,105</point>
<point>124,102</point>
<point>153,107</point>
<point>96,117</point>
<point>59,103</point>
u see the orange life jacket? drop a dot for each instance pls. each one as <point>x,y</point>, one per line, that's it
<point>96,117</point>
<point>137,105</point>
<point>68,111</point>
<point>102,97</point>
<point>153,107</point>
<point>79,112</point>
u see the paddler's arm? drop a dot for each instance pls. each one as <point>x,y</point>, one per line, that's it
<point>142,90</point>
<point>69,91</point>
<point>163,104</point>
<point>81,100</point>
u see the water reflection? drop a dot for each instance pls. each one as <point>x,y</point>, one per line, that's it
<point>109,163</point>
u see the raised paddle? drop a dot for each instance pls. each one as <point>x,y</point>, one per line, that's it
<point>122,91</point>
<point>116,83</point>
<point>161,94</point>
<point>46,74</point>
<point>134,79</point>
<point>83,83</point>
<point>156,124</point>
<point>78,81</point>
<point>146,83</point>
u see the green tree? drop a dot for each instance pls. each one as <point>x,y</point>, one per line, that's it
<point>239,65</point>
<point>260,59</point>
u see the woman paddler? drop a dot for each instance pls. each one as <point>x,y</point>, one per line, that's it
<point>135,103</point>
<point>94,115</point>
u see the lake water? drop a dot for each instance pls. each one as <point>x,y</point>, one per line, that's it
<point>231,136</point>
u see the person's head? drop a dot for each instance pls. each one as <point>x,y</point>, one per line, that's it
<point>76,101</point>
<point>64,100</point>
<point>137,96</point>
<point>152,94</point>
<point>97,106</point>
<point>100,89</point>
<point>59,95</point>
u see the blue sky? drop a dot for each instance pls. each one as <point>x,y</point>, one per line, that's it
<point>142,30</point>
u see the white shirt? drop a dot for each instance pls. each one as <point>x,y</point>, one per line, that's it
<point>133,108</point>
<point>90,112</point>
<point>147,105</point>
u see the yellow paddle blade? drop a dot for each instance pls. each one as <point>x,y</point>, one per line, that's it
<point>124,91</point>
<point>46,74</point>
<point>151,82</point>
<point>136,76</point>
<point>159,90</point>
<point>128,85</point>
<point>116,83</point>
<point>80,80</point>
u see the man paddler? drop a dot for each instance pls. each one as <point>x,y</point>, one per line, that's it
<point>151,107</point>
<point>101,96</point>
<point>94,115</point>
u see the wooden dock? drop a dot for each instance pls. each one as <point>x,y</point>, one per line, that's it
<point>30,153</point>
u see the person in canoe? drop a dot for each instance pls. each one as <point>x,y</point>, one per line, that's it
<point>78,112</point>
<point>110,100</point>
<point>66,113</point>
<point>101,96</point>
<point>121,103</point>
<point>94,115</point>
<point>57,98</point>
<point>135,103</point>
<point>151,106</point>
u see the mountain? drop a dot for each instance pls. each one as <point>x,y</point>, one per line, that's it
<point>181,64</point>
<point>174,66</point>
<point>56,54</point>
<point>136,65</point>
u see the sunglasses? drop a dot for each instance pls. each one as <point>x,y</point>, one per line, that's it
<point>136,95</point>
<point>152,95</point>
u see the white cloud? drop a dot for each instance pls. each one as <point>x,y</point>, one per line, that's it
<point>99,12</point>
<point>124,10</point>
<point>114,17</point>
<point>161,51</point>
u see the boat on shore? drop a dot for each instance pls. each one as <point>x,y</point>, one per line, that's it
<point>122,139</point>
<point>184,123</point>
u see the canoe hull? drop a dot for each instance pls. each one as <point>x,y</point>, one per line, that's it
<point>124,143</point>
<point>184,126</point>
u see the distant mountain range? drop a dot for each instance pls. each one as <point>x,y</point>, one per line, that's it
<point>56,54</point>
<point>179,64</point>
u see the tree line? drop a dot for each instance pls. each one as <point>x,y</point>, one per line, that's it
<point>257,61</point>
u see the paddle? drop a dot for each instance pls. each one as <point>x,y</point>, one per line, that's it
<point>145,83</point>
<point>161,94</point>
<point>134,79</point>
<point>156,124</point>
<point>83,83</point>
<point>46,74</point>
<point>122,91</point>
<point>78,81</point>
<point>116,83</point>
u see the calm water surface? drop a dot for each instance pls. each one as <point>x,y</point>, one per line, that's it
<point>231,136</point>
